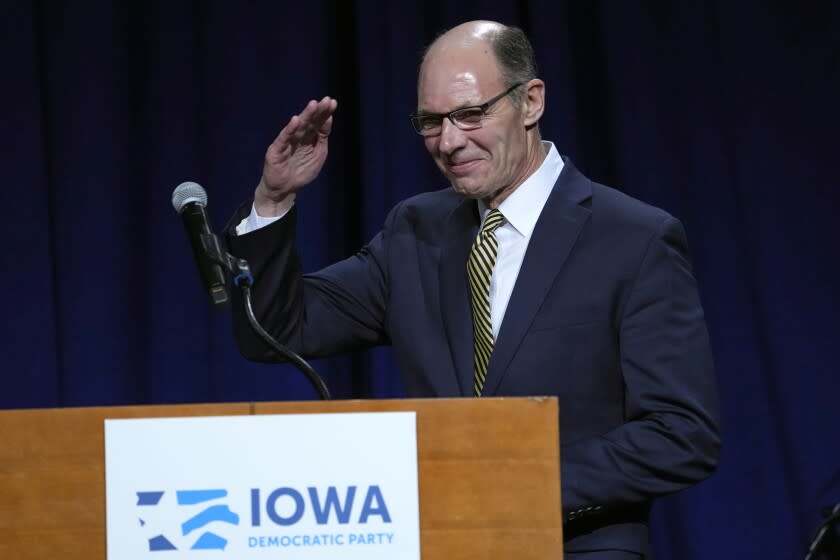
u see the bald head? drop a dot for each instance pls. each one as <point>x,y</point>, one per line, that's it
<point>507,49</point>
<point>467,35</point>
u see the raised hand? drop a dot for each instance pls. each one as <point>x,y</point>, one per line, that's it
<point>295,157</point>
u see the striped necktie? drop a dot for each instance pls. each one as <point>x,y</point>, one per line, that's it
<point>480,265</point>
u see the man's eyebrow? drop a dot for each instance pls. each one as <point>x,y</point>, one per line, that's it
<point>420,113</point>
<point>467,105</point>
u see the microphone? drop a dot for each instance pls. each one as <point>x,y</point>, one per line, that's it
<point>190,201</point>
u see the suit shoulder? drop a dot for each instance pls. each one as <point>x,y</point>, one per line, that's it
<point>617,209</point>
<point>427,208</point>
<point>443,200</point>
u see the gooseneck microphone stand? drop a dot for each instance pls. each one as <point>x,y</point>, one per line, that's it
<point>825,542</point>
<point>242,278</point>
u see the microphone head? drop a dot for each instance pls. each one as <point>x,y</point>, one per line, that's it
<point>186,193</point>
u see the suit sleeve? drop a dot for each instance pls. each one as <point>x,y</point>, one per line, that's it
<point>671,438</point>
<point>339,308</point>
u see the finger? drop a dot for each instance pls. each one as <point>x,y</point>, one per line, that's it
<point>314,117</point>
<point>328,106</point>
<point>310,120</point>
<point>286,135</point>
<point>327,103</point>
<point>326,128</point>
<point>328,124</point>
<point>310,113</point>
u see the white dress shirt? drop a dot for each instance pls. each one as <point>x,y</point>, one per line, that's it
<point>521,210</point>
<point>254,221</point>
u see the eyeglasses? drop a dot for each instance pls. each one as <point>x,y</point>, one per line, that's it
<point>466,118</point>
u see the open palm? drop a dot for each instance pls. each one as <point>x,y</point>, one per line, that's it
<point>298,153</point>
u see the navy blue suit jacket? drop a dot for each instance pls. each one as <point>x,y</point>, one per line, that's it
<point>605,315</point>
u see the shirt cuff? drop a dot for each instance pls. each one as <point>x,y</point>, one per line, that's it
<point>254,221</point>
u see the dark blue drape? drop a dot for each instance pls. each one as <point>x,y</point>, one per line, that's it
<point>725,114</point>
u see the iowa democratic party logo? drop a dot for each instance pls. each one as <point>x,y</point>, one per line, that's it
<point>198,509</point>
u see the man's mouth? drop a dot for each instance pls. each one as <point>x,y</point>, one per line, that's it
<point>462,167</point>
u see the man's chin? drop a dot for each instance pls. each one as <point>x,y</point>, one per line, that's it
<point>468,189</point>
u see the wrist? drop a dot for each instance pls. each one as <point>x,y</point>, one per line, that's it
<point>273,205</point>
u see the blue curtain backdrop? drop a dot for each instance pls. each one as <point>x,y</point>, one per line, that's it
<point>725,114</point>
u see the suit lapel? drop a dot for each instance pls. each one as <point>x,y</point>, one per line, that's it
<point>555,234</point>
<point>462,227</point>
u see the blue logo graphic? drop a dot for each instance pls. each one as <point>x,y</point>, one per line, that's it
<point>208,540</point>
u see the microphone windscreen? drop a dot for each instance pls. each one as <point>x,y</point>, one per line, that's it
<point>186,193</point>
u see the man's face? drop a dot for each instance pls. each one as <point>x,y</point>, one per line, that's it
<point>479,162</point>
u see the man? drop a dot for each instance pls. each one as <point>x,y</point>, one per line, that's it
<point>524,278</point>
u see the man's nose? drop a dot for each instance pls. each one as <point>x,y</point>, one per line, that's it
<point>452,138</point>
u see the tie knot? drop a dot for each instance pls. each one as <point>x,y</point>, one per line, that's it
<point>493,220</point>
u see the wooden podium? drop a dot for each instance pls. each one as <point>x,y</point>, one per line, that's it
<point>488,473</point>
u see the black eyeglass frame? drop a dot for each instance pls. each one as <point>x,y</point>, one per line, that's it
<point>415,117</point>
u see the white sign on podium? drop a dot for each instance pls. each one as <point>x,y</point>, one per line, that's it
<point>297,486</point>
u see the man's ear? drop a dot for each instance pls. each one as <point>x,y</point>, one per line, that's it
<point>533,101</point>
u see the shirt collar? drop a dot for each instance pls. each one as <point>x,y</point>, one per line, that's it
<point>523,206</point>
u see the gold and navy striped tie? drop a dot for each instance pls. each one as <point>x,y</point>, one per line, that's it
<point>480,265</point>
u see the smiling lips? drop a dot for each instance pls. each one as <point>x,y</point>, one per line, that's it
<point>463,167</point>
